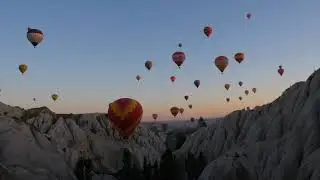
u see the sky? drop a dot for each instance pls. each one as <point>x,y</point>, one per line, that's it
<point>92,52</point>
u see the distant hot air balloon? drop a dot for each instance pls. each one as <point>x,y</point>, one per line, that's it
<point>23,68</point>
<point>34,99</point>
<point>174,111</point>
<point>148,65</point>
<point>186,97</point>
<point>254,90</point>
<point>239,57</point>
<point>221,62</point>
<point>190,106</point>
<point>34,36</point>
<point>207,31</point>
<point>192,119</point>
<point>181,110</point>
<point>227,86</point>
<point>180,45</point>
<point>155,116</point>
<point>227,99</point>
<point>172,78</point>
<point>196,83</point>
<point>248,15</point>
<point>240,98</point>
<point>240,83</point>
<point>138,77</point>
<point>125,115</point>
<point>54,97</point>
<point>280,70</point>
<point>246,92</point>
<point>178,58</point>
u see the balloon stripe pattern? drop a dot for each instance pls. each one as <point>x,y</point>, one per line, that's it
<point>125,114</point>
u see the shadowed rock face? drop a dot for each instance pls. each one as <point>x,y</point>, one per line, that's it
<point>276,141</point>
<point>39,144</point>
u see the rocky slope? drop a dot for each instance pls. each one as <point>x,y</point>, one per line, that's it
<point>276,141</point>
<point>39,144</point>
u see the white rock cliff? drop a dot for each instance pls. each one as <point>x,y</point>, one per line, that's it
<point>39,144</point>
<point>276,141</point>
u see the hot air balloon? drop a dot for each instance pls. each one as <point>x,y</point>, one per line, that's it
<point>155,116</point>
<point>240,98</point>
<point>190,106</point>
<point>181,110</point>
<point>125,115</point>
<point>227,99</point>
<point>186,97</point>
<point>138,78</point>
<point>54,97</point>
<point>180,45</point>
<point>174,111</point>
<point>34,36</point>
<point>192,119</point>
<point>196,83</point>
<point>34,99</point>
<point>280,70</point>
<point>248,15</point>
<point>172,78</point>
<point>207,31</point>
<point>254,90</point>
<point>239,57</point>
<point>148,65</point>
<point>246,92</point>
<point>221,62</point>
<point>178,58</point>
<point>227,86</point>
<point>23,68</point>
<point>240,83</point>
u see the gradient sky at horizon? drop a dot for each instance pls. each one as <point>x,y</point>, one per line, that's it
<point>92,52</point>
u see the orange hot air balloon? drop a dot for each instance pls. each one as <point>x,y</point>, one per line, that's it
<point>125,115</point>
<point>280,70</point>
<point>181,110</point>
<point>190,106</point>
<point>178,58</point>
<point>172,78</point>
<point>148,65</point>
<point>196,83</point>
<point>254,90</point>
<point>227,86</point>
<point>239,57</point>
<point>240,98</point>
<point>174,111</point>
<point>246,92</point>
<point>221,62</point>
<point>186,98</point>
<point>138,77</point>
<point>227,99</point>
<point>23,68</point>
<point>207,31</point>
<point>155,116</point>
<point>240,83</point>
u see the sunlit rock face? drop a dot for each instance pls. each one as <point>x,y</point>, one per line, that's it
<point>39,144</point>
<point>276,141</point>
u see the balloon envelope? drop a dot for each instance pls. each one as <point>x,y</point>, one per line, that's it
<point>174,111</point>
<point>125,115</point>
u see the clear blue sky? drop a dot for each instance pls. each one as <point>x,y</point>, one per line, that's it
<point>92,52</point>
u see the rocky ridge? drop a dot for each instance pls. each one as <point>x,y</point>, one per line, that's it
<point>276,141</point>
<point>39,144</point>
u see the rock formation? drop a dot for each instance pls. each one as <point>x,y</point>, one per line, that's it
<point>276,141</point>
<point>39,144</point>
